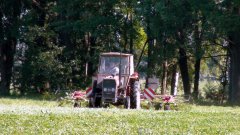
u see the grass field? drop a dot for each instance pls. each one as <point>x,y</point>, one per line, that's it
<point>29,116</point>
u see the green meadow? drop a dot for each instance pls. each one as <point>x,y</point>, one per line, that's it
<point>29,116</point>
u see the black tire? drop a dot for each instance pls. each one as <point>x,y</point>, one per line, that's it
<point>95,100</point>
<point>127,102</point>
<point>98,102</point>
<point>135,100</point>
<point>90,102</point>
<point>76,105</point>
<point>106,105</point>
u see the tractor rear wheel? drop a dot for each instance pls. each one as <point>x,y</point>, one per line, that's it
<point>98,102</point>
<point>127,102</point>
<point>135,96</point>
<point>90,102</point>
<point>95,102</point>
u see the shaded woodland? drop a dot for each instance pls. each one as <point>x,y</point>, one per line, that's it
<point>49,45</point>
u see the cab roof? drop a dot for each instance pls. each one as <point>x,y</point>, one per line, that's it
<point>115,54</point>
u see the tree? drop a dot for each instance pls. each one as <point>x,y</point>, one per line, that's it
<point>199,36</point>
<point>174,31</point>
<point>226,18</point>
<point>9,30</point>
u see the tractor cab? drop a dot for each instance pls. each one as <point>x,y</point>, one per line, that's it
<point>119,61</point>
<point>115,65</point>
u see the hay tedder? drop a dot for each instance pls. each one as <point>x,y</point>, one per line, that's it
<point>116,82</point>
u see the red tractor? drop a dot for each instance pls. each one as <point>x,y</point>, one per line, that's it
<point>116,82</point>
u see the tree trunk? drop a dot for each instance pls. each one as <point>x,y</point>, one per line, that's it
<point>92,51</point>
<point>164,78</point>
<point>125,41</point>
<point>234,72</point>
<point>184,71</point>
<point>6,60</point>
<point>1,45</point>
<point>174,80</point>
<point>198,32</point>
<point>88,47</point>
<point>150,53</point>
<point>234,88</point>
<point>131,34</point>
<point>150,61</point>
<point>196,77</point>
<point>125,37</point>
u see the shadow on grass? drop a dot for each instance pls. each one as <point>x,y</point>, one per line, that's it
<point>205,102</point>
<point>35,96</point>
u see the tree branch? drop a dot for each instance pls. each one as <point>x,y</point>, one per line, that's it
<point>139,60</point>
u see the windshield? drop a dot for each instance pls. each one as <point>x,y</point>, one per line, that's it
<point>110,65</point>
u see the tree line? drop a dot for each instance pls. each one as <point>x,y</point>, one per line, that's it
<point>55,44</point>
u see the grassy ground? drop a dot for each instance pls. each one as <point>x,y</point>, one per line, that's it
<point>29,116</point>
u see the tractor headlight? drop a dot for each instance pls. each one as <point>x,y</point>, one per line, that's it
<point>104,89</point>
<point>113,89</point>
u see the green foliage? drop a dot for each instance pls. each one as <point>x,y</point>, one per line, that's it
<point>42,66</point>
<point>60,37</point>
<point>211,87</point>
<point>60,41</point>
